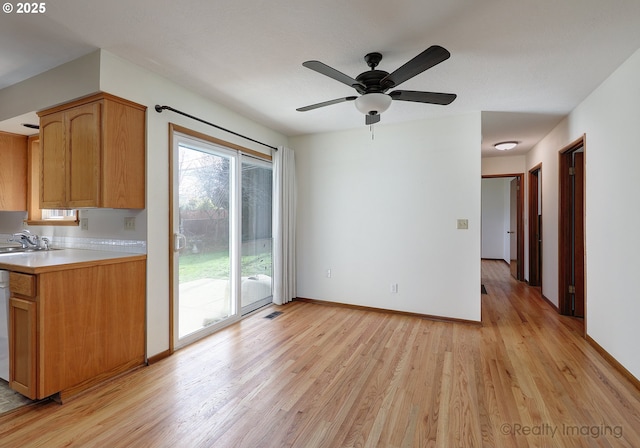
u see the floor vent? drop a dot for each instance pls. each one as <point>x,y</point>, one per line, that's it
<point>273,315</point>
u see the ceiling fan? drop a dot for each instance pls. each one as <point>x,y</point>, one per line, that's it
<point>373,85</point>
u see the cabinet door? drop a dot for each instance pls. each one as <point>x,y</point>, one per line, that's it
<point>83,153</point>
<point>13,171</point>
<point>70,157</point>
<point>52,161</point>
<point>22,346</point>
<point>123,155</point>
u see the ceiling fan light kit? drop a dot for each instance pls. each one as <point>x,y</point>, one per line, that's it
<point>373,85</point>
<point>373,103</point>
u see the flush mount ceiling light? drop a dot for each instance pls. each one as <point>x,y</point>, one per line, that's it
<point>505,146</point>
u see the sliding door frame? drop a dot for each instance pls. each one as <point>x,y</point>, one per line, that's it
<point>173,130</point>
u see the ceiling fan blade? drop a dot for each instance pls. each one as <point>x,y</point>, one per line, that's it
<point>425,60</point>
<point>324,69</point>
<point>423,97</point>
<point>371,119</point>
<point>326,103</point>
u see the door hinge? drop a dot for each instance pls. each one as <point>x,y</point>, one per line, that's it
<point>572,289</point>
<point>572,171</point>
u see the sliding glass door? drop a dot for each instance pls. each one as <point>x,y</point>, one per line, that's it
<point>203,243</point>
<point>257,180</point>
<point>221,224</point>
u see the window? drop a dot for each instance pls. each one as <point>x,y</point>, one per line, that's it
<point>50,214</point>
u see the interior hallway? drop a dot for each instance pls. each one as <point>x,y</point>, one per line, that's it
<point>322,376</point>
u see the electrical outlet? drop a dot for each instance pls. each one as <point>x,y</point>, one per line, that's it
<point>84,223</point>
<point>328,274</point>
<point>394,288</point>
<point>463,224</point>
<point>130,223</point>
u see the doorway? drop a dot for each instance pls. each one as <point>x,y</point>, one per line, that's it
<point>571,238</point>
<point>515,223</point>
<point>220,226</point>
<point>535,226</point>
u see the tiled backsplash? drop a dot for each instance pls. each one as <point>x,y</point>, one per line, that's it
<point>113,245</point>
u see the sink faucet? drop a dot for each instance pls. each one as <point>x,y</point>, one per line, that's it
<point>26,239</point>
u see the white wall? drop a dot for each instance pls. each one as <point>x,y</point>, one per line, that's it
<point>609,117</point>
<point>503,165</point>
<point>384,211</point>
<point>496,194</point>
<point>56,86</point>
<point>546,154</point>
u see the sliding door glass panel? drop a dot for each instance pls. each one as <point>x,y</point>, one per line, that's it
<point>203,243</point>
<point>256,247</point>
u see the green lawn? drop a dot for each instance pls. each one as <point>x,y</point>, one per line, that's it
<point>216,265</point>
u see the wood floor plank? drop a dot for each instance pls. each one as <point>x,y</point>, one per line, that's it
<point>321,376</point>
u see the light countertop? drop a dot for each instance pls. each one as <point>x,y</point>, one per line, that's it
<point>61,259</point>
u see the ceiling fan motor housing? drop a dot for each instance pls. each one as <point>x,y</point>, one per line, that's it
<point>374,99</point>
<point>371,81</point>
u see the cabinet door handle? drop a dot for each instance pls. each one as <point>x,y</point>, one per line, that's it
<point>179,241</point>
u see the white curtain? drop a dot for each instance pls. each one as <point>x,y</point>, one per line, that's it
<point>284,226</point>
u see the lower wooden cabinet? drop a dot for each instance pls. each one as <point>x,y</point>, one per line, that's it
<point>22,350</point>
<point>71,329</point>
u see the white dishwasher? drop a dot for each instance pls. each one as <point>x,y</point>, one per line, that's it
<point>4,325</point>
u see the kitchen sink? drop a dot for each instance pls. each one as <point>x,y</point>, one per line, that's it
<point>8,250</point>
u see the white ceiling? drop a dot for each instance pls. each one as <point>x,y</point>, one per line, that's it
<point>524,63</point>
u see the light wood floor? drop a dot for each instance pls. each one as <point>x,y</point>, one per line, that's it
<point>320,376</point>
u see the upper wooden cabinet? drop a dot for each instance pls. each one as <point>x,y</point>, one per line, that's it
<point>13,172</point>
<point>92,154</point>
